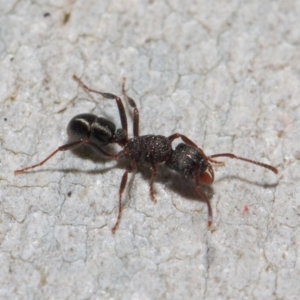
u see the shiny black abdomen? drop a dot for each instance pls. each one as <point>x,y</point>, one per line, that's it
<point>97,130</point>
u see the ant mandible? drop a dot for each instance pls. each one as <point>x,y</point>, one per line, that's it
<point>187,158</point>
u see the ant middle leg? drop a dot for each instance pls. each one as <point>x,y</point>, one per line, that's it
<point>121,190</point>
<point>119,102</point>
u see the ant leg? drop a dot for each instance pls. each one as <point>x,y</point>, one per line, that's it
<point>69,147</point>
<point>121,190</point>
<point>186,140</point>
<point>183,137</point>
<point>103,152</point>
<point>136,117</point>
<point>153,176</point>
<point>230,155</point>
<point>61,148</point>
<point>119,102</point>
<point>206,200</point>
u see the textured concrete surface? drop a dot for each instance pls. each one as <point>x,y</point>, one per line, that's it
<point>224,73</point>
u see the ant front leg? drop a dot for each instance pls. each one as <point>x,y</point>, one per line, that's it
<point>186,140</point>
<point>205,198</point>
<point>119,102</point>
<point>136,117</point>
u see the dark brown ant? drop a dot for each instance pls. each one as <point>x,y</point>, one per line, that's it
<point>187,158</point>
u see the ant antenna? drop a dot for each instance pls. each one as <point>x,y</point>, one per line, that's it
<point>230,155</point>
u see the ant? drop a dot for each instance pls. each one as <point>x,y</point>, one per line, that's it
<point>187,158</point>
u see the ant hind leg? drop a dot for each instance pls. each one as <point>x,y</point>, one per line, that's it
<point>119,102</point>
<point>136,115</point>
<point>153,176</point>
<point>61,148</point>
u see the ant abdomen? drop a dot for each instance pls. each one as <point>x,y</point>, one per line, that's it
<point>97,130</point>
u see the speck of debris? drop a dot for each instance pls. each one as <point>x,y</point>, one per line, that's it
<point>66,18</point>
<point>46,15</point>
<point>69,194</point>
<point>5,119</point>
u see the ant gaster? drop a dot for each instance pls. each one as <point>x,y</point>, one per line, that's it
<point>187,158</point>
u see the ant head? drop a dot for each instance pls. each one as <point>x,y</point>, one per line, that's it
<point>191,162</point>
<point>100,131</point>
